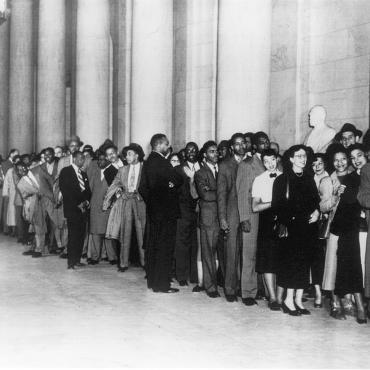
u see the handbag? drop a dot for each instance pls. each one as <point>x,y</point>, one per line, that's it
<point>325,221</point>
<point>280,230</point>
<point>324,226</point>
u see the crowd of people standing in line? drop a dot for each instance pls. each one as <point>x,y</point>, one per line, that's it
<point>235,215</point>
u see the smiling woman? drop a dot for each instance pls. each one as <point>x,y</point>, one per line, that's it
<point>296,203</point>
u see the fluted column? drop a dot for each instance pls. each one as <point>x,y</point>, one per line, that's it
<point>92,71</point>
<point>152,53</point>
<point>51,88</point>
<point>4,90</point>
<point>195,71</point>
<point>21,79</point>
<point>244,47</point>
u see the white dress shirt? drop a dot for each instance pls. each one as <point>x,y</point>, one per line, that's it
<point>193,166</point>
<point>262,186</point>
<point>136,168</point>
<point>213,168</point>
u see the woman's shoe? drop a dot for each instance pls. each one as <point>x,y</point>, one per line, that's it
<point>286,309</point>
<point>317,305</point>
<point>337,313</point>
<point>361,317</point>
<point>302,311</point>
<point>274,306</point>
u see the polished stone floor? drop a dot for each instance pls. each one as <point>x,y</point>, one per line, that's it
<point>96,317</point>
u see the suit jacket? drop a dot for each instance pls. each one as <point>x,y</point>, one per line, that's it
<point>227,201</point>
<point>248,170</point>
<point>63,163</point>
<point>71,191</point>
<point>98,217</point>
<point>156,188</point>
<point>186,193</point>
<point>206,185</point>
<point>47,181</point>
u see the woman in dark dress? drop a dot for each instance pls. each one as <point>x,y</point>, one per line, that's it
<point>296,202</point>
<point>346,225</point>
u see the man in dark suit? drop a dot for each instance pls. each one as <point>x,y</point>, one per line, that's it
<point>186,247</point>
<point>228,214</point>
<point>206,184</point>
<point>248,170</point>
<point>75,189</point>
<point>159,188</point>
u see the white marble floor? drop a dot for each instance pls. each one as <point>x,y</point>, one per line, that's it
<point>97,317</point>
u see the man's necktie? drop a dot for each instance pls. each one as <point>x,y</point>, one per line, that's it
<point>81,180</point>
<point>273,175</point>
<point>215,171</point>
<point>131,183</point>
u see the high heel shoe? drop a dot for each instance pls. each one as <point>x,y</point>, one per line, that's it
<point>361,320</point>
<point>287,310</point>
<point>302,311</point>
<point>317,305</point>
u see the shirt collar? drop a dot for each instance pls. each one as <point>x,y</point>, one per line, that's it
<point>76,168</point>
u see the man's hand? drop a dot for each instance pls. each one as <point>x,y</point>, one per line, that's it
<point>224,226</point>
<point>246,226</point>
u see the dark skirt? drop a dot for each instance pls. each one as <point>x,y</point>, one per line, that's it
<point>295,254</point>
<point>349,271</point>
<point>318,261</point>
<point>267,245</point>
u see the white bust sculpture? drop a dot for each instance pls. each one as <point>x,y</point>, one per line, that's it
<point>322,134</point>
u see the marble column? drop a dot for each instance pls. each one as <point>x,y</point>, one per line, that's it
<point>121,30</point>
<point>195,71</point>
<point>21,78</point>
<point>151,84</point>
<point>243,77</point>
<point>92,71</point>
<point>4,90</point>
<point>51,88</point>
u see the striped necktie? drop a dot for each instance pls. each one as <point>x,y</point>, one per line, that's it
<point>81,180</point>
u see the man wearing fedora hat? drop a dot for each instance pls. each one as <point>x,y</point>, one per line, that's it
<point>348,135</point>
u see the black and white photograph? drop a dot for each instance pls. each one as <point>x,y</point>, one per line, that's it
<point>185,184</point>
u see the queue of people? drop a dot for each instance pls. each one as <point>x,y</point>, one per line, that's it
<point>235,216</point>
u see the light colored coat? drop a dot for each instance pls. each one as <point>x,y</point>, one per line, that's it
<point>33,210</point>
<point>10,190</point>
<point>98,217</point>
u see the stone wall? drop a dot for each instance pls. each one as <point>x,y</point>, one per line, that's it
<point>320,55</point>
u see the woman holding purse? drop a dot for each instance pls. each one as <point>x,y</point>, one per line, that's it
<point>296,202</point>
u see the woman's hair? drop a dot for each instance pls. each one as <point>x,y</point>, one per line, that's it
<point>287,165</point>
<point>322,156</point>
<point>356,146</point>
<point>174,155</point>
<point>268,153</point>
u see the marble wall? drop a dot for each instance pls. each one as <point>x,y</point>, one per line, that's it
<point>320,55</point>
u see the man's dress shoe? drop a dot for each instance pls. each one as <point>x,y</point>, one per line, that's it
<point>231,297</point>
<point>79,264</point>
<point>170,290</point>
<point>213,294</point>
<point>198,289</point>
<point>114,262</point>
<point>122,269</point>
<point>249,301</point>
<point>63,255</point>
<point>28,253</point>
<point>36,255</point>
<point>183,283</point>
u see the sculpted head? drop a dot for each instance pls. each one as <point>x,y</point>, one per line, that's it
<point>316,116</point>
